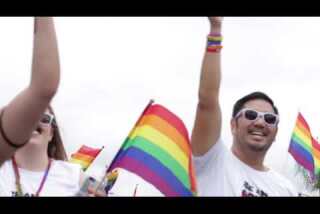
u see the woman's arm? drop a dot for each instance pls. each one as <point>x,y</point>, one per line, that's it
<point>21,116</point>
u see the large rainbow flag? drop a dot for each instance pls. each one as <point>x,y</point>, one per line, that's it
<point>158,150</point>
<point>304,148</point>
<point>85,156</point>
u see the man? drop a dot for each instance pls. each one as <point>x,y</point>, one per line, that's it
<point>254,125</point>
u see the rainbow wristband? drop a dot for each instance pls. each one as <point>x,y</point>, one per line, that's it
<point>214,49</point>
<point>215,38</point>
<point>214,43</point>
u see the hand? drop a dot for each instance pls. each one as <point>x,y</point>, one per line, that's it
<point>215,24</point>
<point>38,21</point>
<point>92,192</point>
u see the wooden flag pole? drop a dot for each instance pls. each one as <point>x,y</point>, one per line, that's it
<point>132,130</point>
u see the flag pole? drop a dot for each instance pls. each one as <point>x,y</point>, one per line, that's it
<point>135,191</point>
<point>151,101</point>
<point>91,165</point>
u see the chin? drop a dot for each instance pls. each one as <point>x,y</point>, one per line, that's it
<point>34,141</point>
<point>259,146</point>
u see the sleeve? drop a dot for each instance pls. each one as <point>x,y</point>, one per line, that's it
<point>286,184</point>
<point>78,175</point>
<point>73,171</point>
<point>210,157</point>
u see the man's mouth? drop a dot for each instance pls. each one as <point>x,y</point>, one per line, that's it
<point>257,133</point>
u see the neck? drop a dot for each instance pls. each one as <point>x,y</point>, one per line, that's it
<point>251,158</point>
<point>32,158</point>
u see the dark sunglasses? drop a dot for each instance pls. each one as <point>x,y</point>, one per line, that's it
<point>47,119</point>
<point>270,118</point>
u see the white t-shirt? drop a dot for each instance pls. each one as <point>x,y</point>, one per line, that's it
<point>220,173</point>
<point>63,180</point>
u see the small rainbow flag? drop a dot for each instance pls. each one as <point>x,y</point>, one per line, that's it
<point>158,150</point>
<point>85,156</point>
<point>303,147</point>
<point>111,180</point>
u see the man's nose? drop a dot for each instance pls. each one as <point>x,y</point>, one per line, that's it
<point>260,121</point>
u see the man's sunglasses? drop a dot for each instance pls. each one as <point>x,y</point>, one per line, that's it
<point>47,119</point>
<point>270,118</point>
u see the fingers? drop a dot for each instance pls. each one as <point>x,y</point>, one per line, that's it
<point>216,19</point>
<point>42,24</point>
<point>92,192</point>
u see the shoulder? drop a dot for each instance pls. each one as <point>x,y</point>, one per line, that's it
<point>284,182</point>
<point>215,149</point>
<point>5,166</point>
<point>278,176</point>
<point>215,153</point>
<point>66,167</point>
<point>6,178</point>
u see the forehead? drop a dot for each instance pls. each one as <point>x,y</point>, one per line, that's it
<point>259,105</point>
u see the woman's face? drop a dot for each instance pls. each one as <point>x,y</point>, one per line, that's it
<point>44,131</point>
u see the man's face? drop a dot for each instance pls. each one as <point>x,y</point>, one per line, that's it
<point>256,135</point>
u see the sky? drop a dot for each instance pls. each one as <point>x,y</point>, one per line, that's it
<point>112,66</point>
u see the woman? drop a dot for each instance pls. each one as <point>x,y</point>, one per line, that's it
<point>40,168</point>
<point>32,157</point>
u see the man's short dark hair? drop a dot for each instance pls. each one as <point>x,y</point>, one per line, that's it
<point>252,96</point>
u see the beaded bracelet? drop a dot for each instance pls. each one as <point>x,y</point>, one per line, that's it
<point>214,43</point>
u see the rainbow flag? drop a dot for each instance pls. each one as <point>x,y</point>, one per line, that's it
<point>303,147</point>
<point>111,178</point>
<point>85,156</point>
<point>316,156</point>
<point>158,150</point>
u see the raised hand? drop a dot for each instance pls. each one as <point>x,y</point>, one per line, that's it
<point>215,24</point>
<point>45,63</point>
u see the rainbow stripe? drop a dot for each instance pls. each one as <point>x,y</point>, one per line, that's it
<point>111,178</point>
<point>85,156</point>
<point>303,147</point>
<point>158,150</point>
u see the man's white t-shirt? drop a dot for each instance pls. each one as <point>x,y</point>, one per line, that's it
<point>220,173</point>
<point>63,180</point>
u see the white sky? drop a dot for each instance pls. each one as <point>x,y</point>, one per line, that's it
<point>112,66</point>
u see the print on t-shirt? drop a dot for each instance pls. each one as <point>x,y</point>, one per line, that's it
<point>252,191</point>
<point>16,194</point>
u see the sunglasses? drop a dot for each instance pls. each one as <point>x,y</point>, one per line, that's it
<point>252,115</point>
<point>47,119</point>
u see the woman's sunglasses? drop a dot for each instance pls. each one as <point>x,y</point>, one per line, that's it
<point>47,119</point>
<point>252,115</point>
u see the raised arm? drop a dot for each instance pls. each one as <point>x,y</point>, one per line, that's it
<point>21,116</point>
<point>207,126</point>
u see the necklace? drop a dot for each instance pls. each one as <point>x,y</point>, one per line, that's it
<point>17,176</point>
